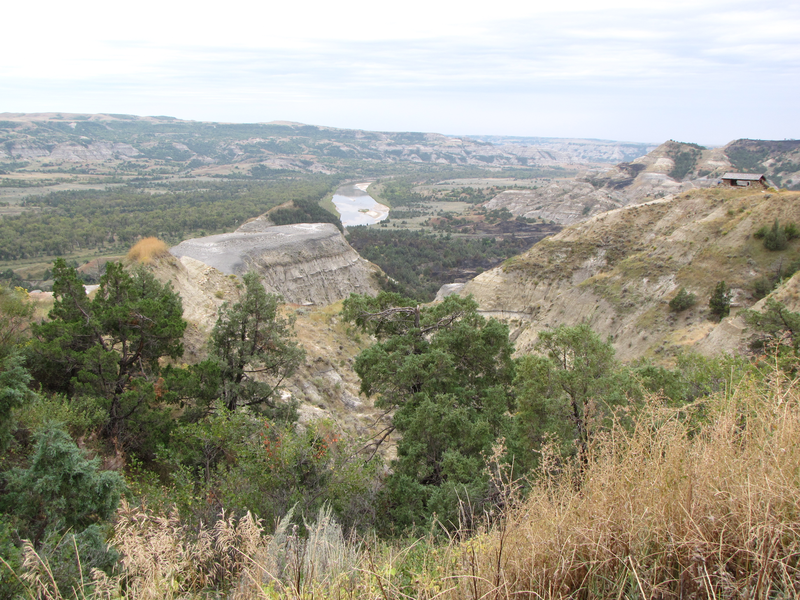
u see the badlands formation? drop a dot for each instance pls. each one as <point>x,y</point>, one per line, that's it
<point>618,271</point>
<point>306,263</point>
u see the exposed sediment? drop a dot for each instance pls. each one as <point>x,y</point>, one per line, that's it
<point>307,263</point>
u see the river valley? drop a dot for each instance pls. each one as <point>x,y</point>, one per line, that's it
<point>356,207</point>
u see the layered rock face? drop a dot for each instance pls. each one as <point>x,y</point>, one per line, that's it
<point>71,152</point>
<point>307,263</point>
<point>646,178</point>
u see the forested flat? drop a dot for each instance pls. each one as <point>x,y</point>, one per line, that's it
<point>420,262</point>
<point>61,223</point>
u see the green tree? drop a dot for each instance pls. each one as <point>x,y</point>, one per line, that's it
<point>15,314</point>
<point>60,489</point>
<point>14,392</point>
<point>775,239</point>
<point>60,502</point>
<point>720,301</point>
<point>694,376</point>
<point>446,373</point>
<point>252,351</point>
<point>775,326</point>
<point>108,347</point>
<point>568,390</point>
<point>239,461</point>
<point>255,350</point>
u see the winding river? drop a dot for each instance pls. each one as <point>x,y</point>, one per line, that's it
<point>356,207</point>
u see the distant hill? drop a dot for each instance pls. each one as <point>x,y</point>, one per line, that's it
<point>574,149</point>
<point>669,169</point>
<point>129,144</point>
<point>55,140</point>
<point>778,160</point>
<point>696,166</point>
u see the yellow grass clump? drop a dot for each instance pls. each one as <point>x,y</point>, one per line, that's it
<point>145,250</point>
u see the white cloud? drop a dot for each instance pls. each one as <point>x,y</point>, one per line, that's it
<point>662,65</point>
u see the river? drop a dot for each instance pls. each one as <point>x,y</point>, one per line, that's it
<point>356,207</point>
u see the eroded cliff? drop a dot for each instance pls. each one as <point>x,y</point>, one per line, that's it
<point>307,263</point>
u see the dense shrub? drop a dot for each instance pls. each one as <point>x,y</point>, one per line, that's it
<point>145,250</point>
<point>682,301</point>
<point>763,286</point>
<point>714,484</point>
<point>776,237</point>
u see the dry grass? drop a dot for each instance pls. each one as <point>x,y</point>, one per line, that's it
<point>702,502</point>
<point>147,249</point>
<point>665,510</point>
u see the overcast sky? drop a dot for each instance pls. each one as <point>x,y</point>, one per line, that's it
<point>703,71</point>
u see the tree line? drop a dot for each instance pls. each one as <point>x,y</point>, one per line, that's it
<point>64,222</point>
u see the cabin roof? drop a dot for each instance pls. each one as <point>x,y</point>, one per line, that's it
<point>744,176</point>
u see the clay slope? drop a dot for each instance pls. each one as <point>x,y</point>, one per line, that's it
<point>307,263</point>
<point>671,168</point>
<point>325,385</point>
<point>618,270</point>
<point>563,201</point>
<point>676,166</point>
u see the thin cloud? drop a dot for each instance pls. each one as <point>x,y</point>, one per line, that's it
<point>651,71</point>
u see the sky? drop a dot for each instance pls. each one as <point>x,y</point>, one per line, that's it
<point>705,71</point>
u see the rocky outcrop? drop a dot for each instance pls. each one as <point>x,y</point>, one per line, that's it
<point>448,289</point>
<point>71,152</point>
<point>93,152</point>
<point>563,202</point>
<point>619,270</point>
<point>307,263</point>
<point>325,385</point>
<point>672,168</point>
<point>27,151</point>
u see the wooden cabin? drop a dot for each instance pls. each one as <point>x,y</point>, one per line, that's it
<point>744,179</point>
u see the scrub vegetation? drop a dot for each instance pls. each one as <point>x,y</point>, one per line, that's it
<point>130,471</point>
<point>127,474</point>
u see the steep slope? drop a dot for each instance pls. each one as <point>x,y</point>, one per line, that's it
<point>563,202</point>
<point>618,270</point>
<point>671,168</point>
<point>307,263</point>
<point>325,385</point>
